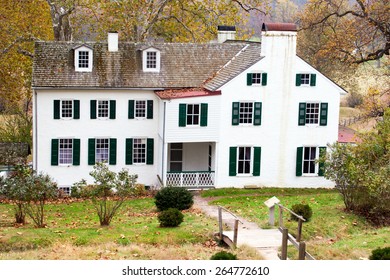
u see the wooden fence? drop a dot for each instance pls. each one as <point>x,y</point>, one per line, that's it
<point>350,121</point>
<point>235,228</point>
<point>297,242</point>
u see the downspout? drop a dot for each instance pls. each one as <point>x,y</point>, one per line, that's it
<point>35,131</point>
<point>163,147</point>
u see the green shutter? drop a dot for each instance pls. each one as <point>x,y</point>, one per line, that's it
<point>93,109</point>
<point>54,151</point>
<point>256,161</point>
<point>112,109</point>
<point>298,80</point>
<point>235,113</point>
<point>57,109</point>
<point>129,151</point>
<point>298,171</point>
<point>149,150</point>
<point>203,114</point>
<point>150,109</point>
<point>112,158</point>
<point>182,115</point>
<point>324,114</point>
<point>91,151</point>
<point>233,161</point>
<point>312,80</point>
<point>264,79</point>
<point>131,109</point>
<point>249,79</point>
<point>76,109</point>
<point>257,114</point>
<point>76,152</point>
<point>321,167</point>
<point>302,114</point>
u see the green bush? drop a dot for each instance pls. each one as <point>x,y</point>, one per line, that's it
<point>303,210</point>
<point>380,254</point>
<point>173,197</point>
<point>171,217</point>
<point>223,255</point>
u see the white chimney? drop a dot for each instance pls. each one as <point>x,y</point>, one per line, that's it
<point>226,33</point>
<point>279,40</point>
<point>112,41</point>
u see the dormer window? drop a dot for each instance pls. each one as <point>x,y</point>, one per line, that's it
<point>83,59</point>
<point>151,60</point>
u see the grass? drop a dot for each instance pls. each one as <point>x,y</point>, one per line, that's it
<point>73,232</point>
<point>332,233</point>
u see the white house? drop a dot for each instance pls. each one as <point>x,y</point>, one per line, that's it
<point>194,115</point>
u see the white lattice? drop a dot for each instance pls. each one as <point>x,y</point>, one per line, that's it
<point>191,179</point>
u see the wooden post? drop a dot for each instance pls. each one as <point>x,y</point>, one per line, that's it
<point>299,235</point>
<point>280,216</point>
<point>235,236</point>
<point>302,250</point>
<point>271,220</point>
<point>220,222</point>
<point>284,243</point>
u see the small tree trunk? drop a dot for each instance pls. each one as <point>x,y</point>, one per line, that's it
<point>20,216</point>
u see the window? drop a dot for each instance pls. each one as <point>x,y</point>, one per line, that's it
<point>193,114</point>
<point>151,58</point>
<point>244,160</point>
<point>66,109</point>
<point>65,151</point>
<point>313,113</point>
<point>307,161</point>
<point>83,59</point>
<point>102,150</point>
<point>103,108</point>
<point>140,108</point>
<point>305,79</point>
<point>64,190</point>
<point>139,151</point>
<point>246,113</point>
<point>256,78</point>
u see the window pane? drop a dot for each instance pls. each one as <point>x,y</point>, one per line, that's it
<point>151,60</point>
<point>193,114</point>
<point>309,160</point>
<point>83,59</point>
<point>66,108</point>
<point>102,150</point>
<point>246,112</point>
<point>139,150</point>
<point>103,108</point>
<point>256,78</point>
<point>244,160</point>
<point>65,151</point>
<point>140,108</point>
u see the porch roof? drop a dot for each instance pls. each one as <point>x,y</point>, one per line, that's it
<point>184,93</point>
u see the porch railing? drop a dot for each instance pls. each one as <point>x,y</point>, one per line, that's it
<point>192,179</point>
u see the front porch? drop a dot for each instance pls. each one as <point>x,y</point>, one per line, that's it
<point>191,165</point>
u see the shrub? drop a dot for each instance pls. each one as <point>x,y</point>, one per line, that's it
<point>303,210</point>
<point>173,197</point>
<point>171,217</point>
<point>380,254</point>
<point>223,255</point>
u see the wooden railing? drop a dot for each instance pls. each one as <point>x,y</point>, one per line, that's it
<point>297,242</point>
<point>235,228</point>
<point>191,179</point>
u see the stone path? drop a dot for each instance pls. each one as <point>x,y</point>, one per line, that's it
<point>266,241</point>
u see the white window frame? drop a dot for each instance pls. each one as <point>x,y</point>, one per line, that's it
<point>249,173</point>
<point>97,109</point>
<point>97,159</point>
<point>140,151</point>
<point>242,113</point>
<point>310,161</point>
<point>145,109</point>
<point>145,60</point>
<point>62,108</point>
<point>306,79</point>
<point>193,114</point>
<point>66,189</point>
<point>77,57</point>
<point>64,152</point>
<point>311,115</point>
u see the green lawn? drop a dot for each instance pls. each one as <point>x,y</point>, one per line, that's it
<point>332,233</point>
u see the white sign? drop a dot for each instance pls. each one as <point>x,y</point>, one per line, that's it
<point>271,202</point>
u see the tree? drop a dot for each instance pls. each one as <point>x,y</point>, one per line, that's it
<point>29,192</point>
<point>354,31</point>
<point>362,172</point>
<point>108,191</point>
<point>174,21</point>
<point>285,11</point>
